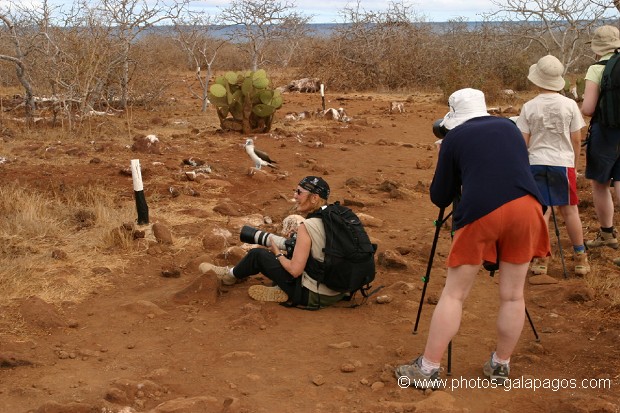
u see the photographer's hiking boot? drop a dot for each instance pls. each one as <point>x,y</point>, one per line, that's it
<point>582,267</point>
<point>411,375</point>
<point>539,266</point>
<point>223,273</point>
<point>607,239</point>
<point>270,294</point>
<point>497,373</point>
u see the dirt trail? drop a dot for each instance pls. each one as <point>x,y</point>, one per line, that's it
<point>186,344</point>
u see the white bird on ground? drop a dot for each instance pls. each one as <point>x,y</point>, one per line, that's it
<point>259,157</point>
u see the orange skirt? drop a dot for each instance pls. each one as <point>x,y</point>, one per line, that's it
<point>515,233</point>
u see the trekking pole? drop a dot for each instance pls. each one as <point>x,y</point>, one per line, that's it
<point>557,233</point>
<point>438,223</point>
<point>555,224</point>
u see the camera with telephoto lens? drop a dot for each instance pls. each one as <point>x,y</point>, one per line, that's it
<point>438,130</point>
<point>253,235</point>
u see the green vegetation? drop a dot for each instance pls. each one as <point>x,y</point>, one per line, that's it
<point>244,101</point>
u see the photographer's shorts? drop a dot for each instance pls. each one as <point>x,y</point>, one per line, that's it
<point>603,154</point>
<point>515,233</point>
<point>557,184</point>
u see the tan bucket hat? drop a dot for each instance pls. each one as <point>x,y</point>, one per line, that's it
<point>547,73</point>
<point>606,39</point>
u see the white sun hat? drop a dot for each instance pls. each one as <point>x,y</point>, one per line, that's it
<point>465,104</point>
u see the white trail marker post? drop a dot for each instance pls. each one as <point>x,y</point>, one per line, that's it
<point>138,190</point>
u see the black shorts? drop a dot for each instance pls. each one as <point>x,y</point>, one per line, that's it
<point>603,154</point>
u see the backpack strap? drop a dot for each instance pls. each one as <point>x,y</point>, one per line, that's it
<point>608,68</point>
<point>595,115</point>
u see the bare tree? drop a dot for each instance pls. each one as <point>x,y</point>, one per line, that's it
<point>130,19</point>
<point>18,59</point>
<point>372,45</point>
<point>292,33</point>
<point>201,48</point>
<point>85,62</point>
<point>256,23</point>
<point>614,4</point>
<point>557,26</point>
<point>70,58</point>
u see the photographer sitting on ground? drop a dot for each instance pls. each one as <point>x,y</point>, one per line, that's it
<point>293,284</point>
<point>499,218</point>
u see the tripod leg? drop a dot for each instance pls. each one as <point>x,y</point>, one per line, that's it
<point>438,224</point>
<point>557,233</point>
<point>492,273</point>
<point>449,371</point>
<point>532,325</point>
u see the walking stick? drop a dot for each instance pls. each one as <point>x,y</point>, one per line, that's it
<point>555,223</point>
<point>557,233</point>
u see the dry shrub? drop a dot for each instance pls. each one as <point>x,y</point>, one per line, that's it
<point>420,56</point>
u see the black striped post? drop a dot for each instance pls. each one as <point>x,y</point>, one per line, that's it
<point>138,190</point>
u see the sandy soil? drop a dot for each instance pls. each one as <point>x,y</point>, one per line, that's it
<point>163,338</point>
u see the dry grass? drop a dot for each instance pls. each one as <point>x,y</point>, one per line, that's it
<point>605,283</point>
<point>50,242</point>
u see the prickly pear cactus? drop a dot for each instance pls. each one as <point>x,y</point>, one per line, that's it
<point>244,101</point>
<point>574,92</point>
<point>581,87</point>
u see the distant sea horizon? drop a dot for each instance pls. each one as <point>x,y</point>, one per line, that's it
<point>323,29</point>
<point>326,29</point>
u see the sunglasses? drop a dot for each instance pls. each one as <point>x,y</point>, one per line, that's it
<point>299,191</point>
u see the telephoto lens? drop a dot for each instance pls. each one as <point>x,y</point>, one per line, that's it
<point>253,235</point>
<point>438,130</point>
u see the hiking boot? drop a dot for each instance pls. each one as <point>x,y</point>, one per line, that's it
<point>411,375</point>
<point>497,373</point>
<point>609,239</point>
<point>539,265</point>
<point>582,267</point>
<point>270,294</point>
<point>223,273</point>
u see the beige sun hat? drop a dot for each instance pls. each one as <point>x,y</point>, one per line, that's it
<point>606,39</point>
<point>547,73</point>
<point>465,104</point>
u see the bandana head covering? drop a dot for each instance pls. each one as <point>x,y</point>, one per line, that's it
<point>315,185</point>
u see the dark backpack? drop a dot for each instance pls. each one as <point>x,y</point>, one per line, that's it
<point>608,106</point>
<point>349,264</point>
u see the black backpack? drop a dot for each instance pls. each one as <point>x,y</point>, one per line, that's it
<point>349,264</point>
<point>608,106</point>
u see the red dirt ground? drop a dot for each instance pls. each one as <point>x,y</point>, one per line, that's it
<point>151,343</point>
